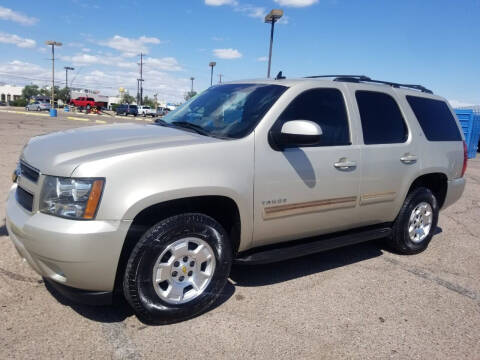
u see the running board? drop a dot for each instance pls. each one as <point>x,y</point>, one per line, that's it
<point>280,252</point>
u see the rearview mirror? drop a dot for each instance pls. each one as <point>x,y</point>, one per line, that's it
<point>298,133</point>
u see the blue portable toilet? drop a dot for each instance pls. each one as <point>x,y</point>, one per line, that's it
<point>470,123</point>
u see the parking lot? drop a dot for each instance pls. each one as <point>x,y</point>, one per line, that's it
<point>357,302</point>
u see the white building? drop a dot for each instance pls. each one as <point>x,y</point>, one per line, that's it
<point>10,92</point>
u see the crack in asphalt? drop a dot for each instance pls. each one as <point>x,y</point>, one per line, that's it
<point>431,277</point>
<point>123,346</point>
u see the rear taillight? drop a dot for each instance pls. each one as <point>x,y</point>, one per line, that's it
<point>465,158</point>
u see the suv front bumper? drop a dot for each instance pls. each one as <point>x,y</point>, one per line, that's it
<point>71,253</point>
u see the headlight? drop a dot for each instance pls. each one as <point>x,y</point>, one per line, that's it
<point>71,198</point>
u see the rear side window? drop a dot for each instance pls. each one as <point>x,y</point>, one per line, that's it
<point>326,107</point>
<point>382,121</point>
<point>435,118</point>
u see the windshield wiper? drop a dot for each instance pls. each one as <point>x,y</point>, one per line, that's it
<point>198,129</point>
<point>161,122</point>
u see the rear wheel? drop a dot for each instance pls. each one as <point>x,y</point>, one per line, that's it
<point>413,229</point>
<point>178,268</point>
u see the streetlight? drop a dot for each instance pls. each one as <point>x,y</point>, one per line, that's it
<point>66,74</point>
<point>272,17</point>
<point>53,44</point>
<point>211,64</point>
<point>191,79</point>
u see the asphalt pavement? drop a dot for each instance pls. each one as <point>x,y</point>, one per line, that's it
<point>359,302</point>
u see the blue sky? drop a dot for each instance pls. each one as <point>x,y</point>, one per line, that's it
<point>431,42</point>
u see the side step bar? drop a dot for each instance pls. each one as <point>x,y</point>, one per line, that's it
<point>269,254</point>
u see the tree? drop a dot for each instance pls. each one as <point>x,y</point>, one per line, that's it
<point>30,91</point>
<point>127,98</point>
<point>149,102</point>
<point>62,94</point>
<point>189,95</point>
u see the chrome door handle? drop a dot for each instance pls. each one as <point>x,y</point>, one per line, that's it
<point>344,164</point>
<point>408,159</point>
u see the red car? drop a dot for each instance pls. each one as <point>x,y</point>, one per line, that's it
<point>86,102</point>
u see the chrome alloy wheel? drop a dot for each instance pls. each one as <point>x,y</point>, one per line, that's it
<point>183,270</point>
<point>420,222</point>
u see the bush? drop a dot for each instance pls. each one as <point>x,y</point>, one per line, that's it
<point>19,102</point>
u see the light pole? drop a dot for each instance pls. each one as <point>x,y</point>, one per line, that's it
<point>272,17</point>
<point>211,64</point>
<point>53,44</point>
<point>191,79</point>
<point>66,74</point>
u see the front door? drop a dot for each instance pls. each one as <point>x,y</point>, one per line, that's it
<point>307,191</point>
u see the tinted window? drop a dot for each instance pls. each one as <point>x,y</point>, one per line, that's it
<point>326,107</point>
<point>382,121</point>
<point>435,118</point>
<point>134,107</point>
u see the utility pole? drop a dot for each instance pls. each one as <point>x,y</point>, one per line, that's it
<point>211,64</point>
<point>191,79</point>
<point>141,79</point>
<point>53,44</point>
<point>156,103</point>
<point>220,78</point>
<point>66,74</point>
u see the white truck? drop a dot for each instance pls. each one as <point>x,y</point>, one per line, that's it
<point>145,110</point>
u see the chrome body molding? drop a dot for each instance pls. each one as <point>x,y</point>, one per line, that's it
<point>373,198</point>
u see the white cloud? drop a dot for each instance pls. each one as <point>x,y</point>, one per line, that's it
<point>296,3</point>
<point>9,14</point>
<point>86,59</point>
<point>130,47</point>
<point>227,53</point>
<point>252,11</point>
<point>262,58</point>
<point>220,2</point>
<point>16,40</point>
<point>459,103</point>
<point>168,87</point>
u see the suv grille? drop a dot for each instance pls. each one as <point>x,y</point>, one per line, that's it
<point>29,172</point>
<point>24,198</point>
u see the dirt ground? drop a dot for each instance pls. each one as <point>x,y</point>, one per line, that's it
<point>356,302</point>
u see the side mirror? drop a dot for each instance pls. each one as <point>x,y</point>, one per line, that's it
<point>298,133</point>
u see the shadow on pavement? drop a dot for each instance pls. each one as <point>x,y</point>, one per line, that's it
<point>247,275</point>
<point>260,275</point>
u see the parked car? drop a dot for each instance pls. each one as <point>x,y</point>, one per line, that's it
<point>38,106</point>
<point>162,111</point>
<point>126,110</point>
<point>146,110</point>
<point>86,103</point>
<point>251,172</point>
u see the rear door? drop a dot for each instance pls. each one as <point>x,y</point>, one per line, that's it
<point>391,157</point>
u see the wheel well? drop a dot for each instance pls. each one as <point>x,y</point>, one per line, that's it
<point>221,208</point>
<point>436,182</point>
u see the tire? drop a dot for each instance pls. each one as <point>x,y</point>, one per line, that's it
<point>401,240</point>
<point>144,114</point>
<point>153,302</point>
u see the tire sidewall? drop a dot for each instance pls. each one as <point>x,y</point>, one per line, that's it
<point>138,283</point>
<point>415,198</point>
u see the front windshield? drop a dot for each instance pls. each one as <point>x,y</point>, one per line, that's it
<point>226,111</point>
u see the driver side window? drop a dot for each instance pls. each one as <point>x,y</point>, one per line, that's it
<point>326,107</point>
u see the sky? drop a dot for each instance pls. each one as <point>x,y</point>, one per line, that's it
<point>434,43</point>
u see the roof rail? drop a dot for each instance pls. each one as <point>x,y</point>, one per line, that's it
<point>363,78</point>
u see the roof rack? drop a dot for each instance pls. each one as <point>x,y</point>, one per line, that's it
<point>363,78</point>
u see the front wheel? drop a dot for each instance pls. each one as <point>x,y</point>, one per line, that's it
<point>178,268</point>
<point>416,222</point>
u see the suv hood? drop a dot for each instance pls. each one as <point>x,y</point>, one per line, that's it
<point>61,152</point>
